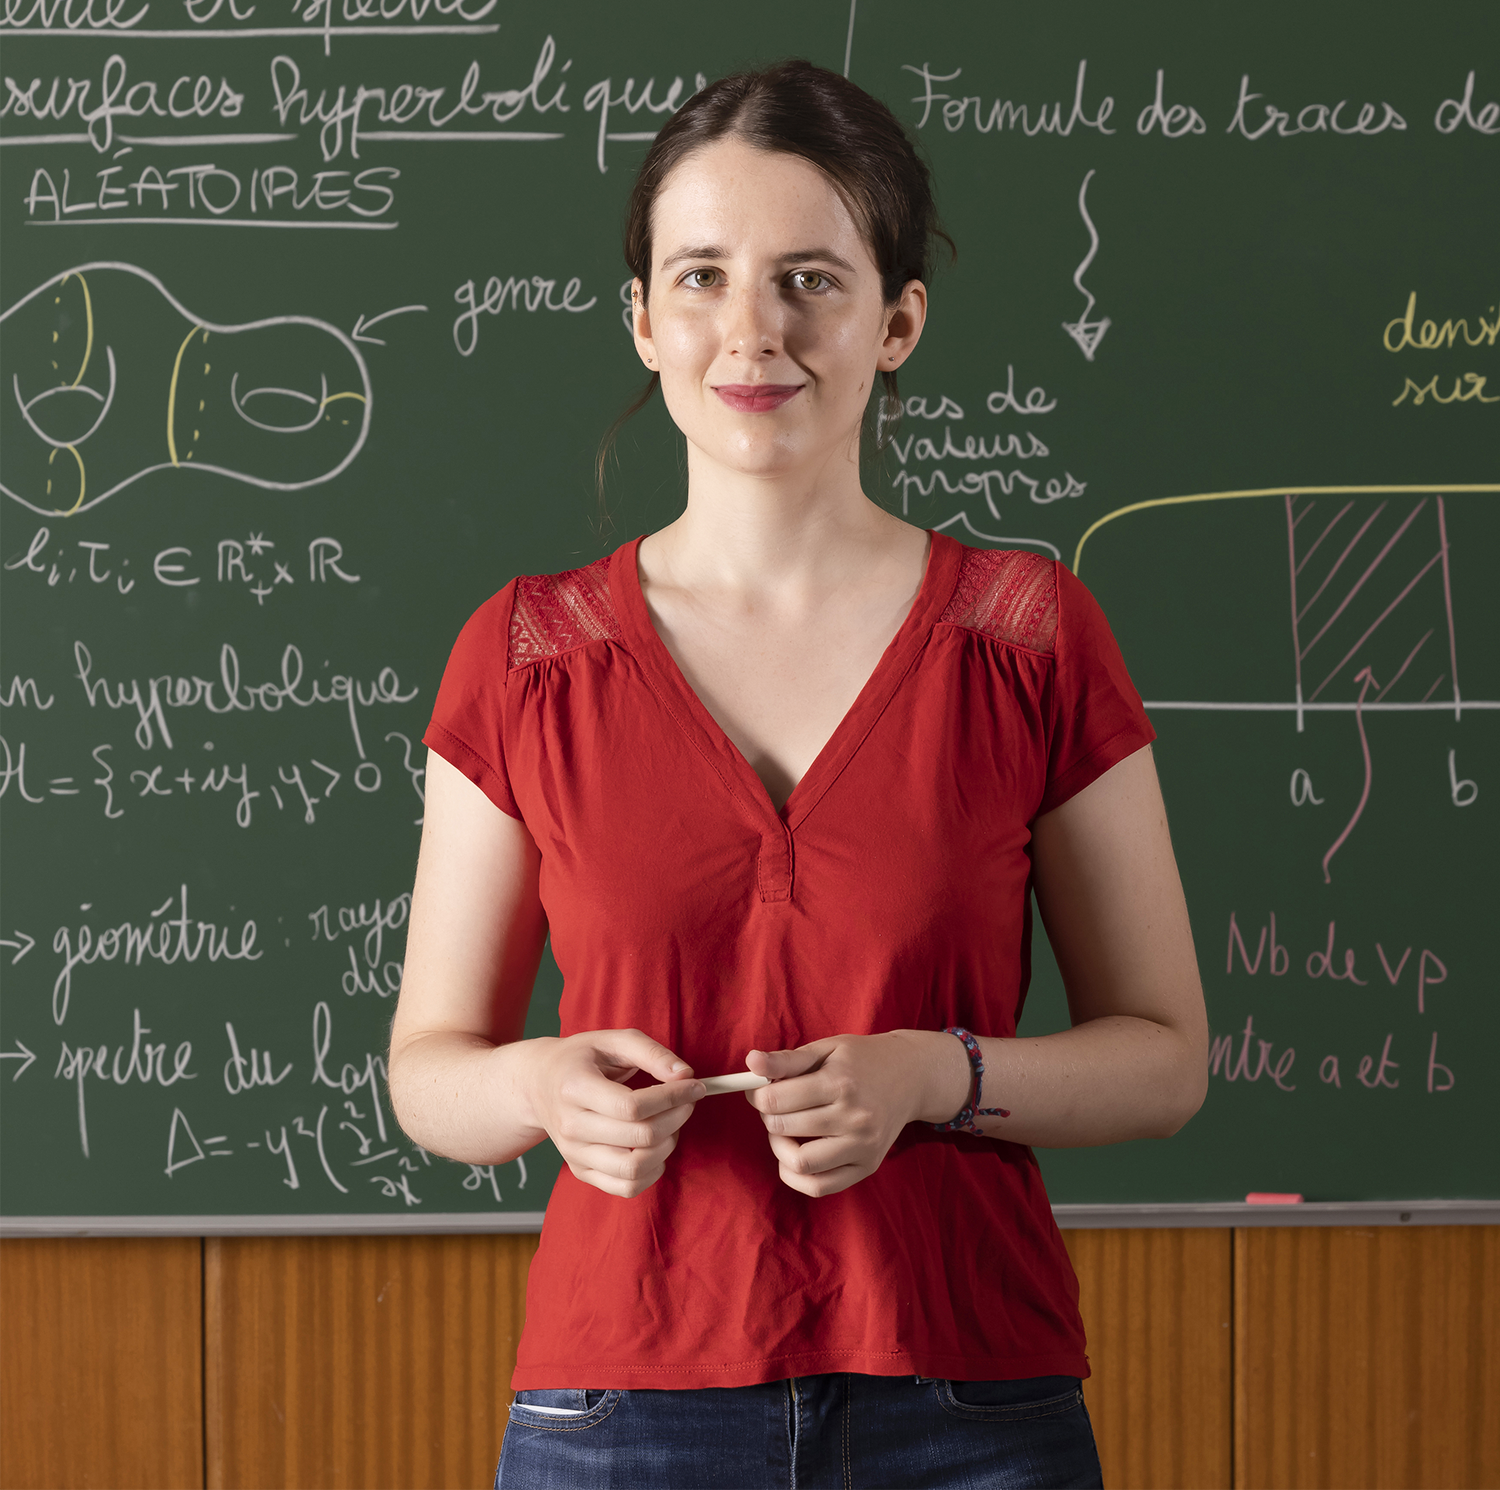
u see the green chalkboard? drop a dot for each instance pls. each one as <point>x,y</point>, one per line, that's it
<point>311,324</point>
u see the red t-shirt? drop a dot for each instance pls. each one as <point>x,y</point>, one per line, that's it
<point>891,892</point>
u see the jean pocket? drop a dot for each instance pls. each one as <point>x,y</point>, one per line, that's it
<point>562,1408</point>
<point>1011,1401</point>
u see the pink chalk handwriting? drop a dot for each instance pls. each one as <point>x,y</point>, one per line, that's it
<point>1434,1065</point>
<point>1373,1075</point>
<point>1236,1068</point>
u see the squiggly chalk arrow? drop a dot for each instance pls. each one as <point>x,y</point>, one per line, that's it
<point>1088,334</point>
<point>1366,680</point>
<point>23,946</point>
<point>20,1053</point>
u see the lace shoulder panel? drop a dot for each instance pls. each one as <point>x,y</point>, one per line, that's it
<point>554,613</point>
<point>1008,594</point>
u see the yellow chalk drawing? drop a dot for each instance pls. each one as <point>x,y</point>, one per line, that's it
<point>82,480</point>
<point>88,315</point>
<point>1271,491</point>
<point>172,395</point>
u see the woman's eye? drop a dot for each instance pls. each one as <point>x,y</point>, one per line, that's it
<point>701,279</point>
<point>810,279</point>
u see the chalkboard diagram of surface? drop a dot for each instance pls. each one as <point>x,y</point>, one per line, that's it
<point>113,378</point>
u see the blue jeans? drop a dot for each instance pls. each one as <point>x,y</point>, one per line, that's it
<point>834,1432</point>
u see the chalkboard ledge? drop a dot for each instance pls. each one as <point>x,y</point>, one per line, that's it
<point>437,1223</point>
<point>1069,1217</point>
<point>1310,1213</point>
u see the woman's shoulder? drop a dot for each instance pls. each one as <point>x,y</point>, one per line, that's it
<point>540,616</point>
<point>555,613</point>
<point>1010,595</point>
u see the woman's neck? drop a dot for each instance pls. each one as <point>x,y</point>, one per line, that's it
<point>800,535</point>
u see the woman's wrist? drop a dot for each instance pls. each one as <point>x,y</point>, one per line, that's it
<point>524,1063</point>
<point>946,1079</point>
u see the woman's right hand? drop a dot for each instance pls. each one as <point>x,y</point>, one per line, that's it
<point>614,1137</point>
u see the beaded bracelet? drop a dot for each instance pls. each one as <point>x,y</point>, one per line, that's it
<point>964,1122</point>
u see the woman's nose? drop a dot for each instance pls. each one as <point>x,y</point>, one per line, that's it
<point>753,323</point>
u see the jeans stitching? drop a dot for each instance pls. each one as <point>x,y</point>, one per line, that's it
<point>1020,1413</point>
<point>848,1413</point>
<point>591,1419</point>
<point>787,1397</point>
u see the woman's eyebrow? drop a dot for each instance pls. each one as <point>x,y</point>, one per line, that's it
<point>797,256</point>
<point>706,251</point>
<point>827,255</point>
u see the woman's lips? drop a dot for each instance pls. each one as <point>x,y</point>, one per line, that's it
<point>757,398</point>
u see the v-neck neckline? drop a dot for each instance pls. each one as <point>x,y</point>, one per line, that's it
<point>734,770</point>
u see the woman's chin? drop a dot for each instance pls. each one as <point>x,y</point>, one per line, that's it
<point>766,456</point>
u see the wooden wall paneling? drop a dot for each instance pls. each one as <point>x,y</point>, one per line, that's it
<point>360,1361</point>
<point>1367,1357</point>
<point>1156,1305</point>
<point>100,1363</point>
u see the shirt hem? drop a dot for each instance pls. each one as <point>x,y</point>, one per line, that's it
<point>1103,757</point>
<point>465,759</point>
<point>600,1375</point>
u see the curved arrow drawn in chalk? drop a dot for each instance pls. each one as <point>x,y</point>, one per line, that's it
<point>361,325</point>
<point>1366,680</point>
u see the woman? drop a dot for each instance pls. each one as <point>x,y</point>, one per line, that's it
<point>778,779</point>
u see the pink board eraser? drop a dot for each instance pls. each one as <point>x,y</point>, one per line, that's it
<point>1271,1197</point>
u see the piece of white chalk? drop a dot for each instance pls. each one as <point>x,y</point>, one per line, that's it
<point>741,1081</point>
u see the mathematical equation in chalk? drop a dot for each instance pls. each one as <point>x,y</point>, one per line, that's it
<point>161,707</point>
<point>251,563</point>
<point>349,1143</point>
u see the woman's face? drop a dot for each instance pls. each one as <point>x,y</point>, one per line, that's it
<point>766,319</point>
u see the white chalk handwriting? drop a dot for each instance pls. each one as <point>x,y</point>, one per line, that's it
<point>532,294</point>
<point>146,1063</point>
<point>164,938</point>
<point>1006,114</point>
<point>229,694</point>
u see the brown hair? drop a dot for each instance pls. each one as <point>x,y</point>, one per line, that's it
<point>798,108</point>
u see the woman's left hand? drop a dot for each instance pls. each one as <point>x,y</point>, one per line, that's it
<point>835,1106</point>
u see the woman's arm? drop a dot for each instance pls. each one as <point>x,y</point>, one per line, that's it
<point>1134,1065</point>
<point>463,1082</point>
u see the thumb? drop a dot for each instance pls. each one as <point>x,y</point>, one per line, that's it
<point>778,1064</point>
<point>637,1049</point>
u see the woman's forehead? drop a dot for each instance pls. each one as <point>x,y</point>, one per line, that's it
<point>739,198</point>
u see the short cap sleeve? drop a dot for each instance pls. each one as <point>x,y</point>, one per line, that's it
<point>468,719</point>
<point>1097,715</point>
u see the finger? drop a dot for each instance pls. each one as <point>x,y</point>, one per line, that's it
<point>624,1189</point>
<point>808,1122</point>
<point>591,1092</point>
<point>778,1064</point>
<point>818,1185</point>
<point>624,1164</point>
<point>819,1155</point>
<point>584,1127</point>
<point>638,1049</point>
<point>797,1093</point>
